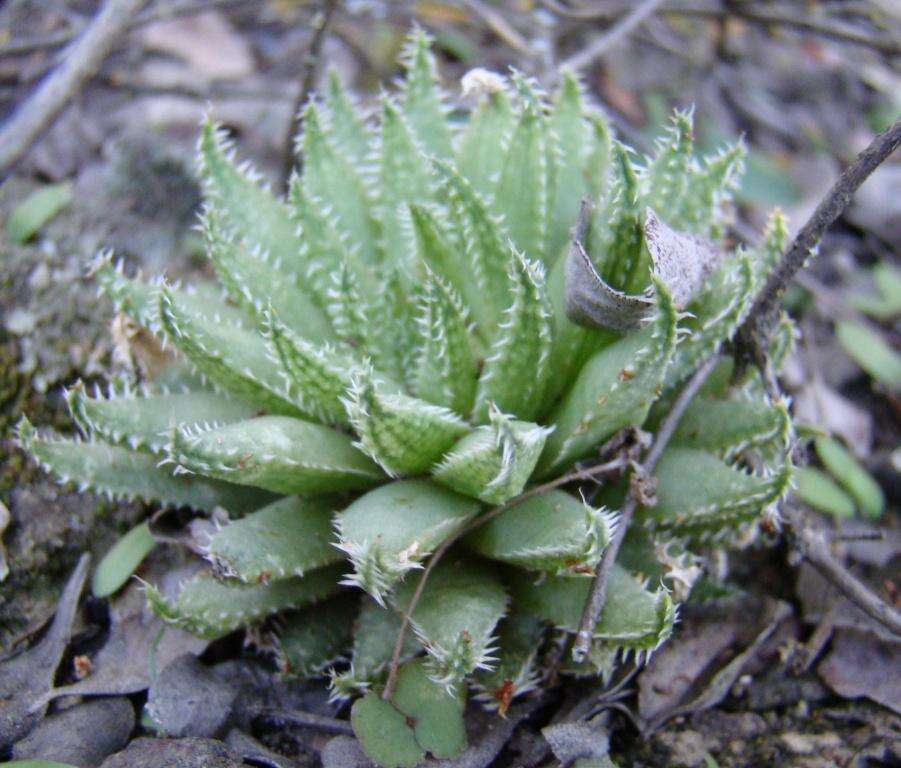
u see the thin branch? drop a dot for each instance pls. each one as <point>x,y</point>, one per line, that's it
<point>811,543</point>
<point>498,24</point>
<point>763,312</point>
<point>80,62</point>
<point>302,719</point>
<point>597,595</point>
<point>160,13</point>
<point>585,473</point>
<point>621,29</point>
<point>310,71</point>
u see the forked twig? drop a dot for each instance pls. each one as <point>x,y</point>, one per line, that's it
<point>597,595</point>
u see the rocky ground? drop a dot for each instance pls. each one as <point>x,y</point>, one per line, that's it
<point>806,680</point>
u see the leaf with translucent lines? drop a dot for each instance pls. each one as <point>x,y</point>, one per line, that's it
<point>314,638</point>
<point>390,530</point>
<point>252,213</point>
<point>523,194</point>
<point>713,316</point>
<point>488,253</point>
<point>444,368</point>
<point>489,129</point>
<point>616,244</point>
<point>277,453</point>
<point>571,138</point>
<point>455,617</point>
<point>404,177</point>
<point>494,461</point>
<point>633,616</point>
<point>420,96</point>
<point>344,123</point>
<point>614,389</point>
<point>145,418</point>
<point>316,376</point>
<point>698,493</point>
<point>668,173</point>
<point>334,182</point>
<point>255,279</point>
<point>228,355</point>
<point>552,531</point>
<point>516,368</point>
<point>402,434</point>
<point>285,538</point>
<point>709,188</point>
<point>125,474</point>
<point>210,608</point>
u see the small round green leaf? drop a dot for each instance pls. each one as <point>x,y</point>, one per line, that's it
<point>36,210</point>
<point>437,715</point>
<point>870,352</point>
<point>384,734</point>
<point>122,561</point>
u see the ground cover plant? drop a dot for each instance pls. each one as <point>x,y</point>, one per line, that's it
<point>424,361</point>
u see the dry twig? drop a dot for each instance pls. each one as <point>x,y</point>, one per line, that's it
<point>320,25</point>
<point>750,336</point>
<point>621,29</point>
<point>598,592</point>
<point>79,63</point>
<point>811,543</point>
<point>302,719</point>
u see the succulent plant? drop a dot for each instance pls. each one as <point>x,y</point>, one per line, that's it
<point>409,340</point>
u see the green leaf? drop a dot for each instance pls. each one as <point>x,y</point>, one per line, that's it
<point>404,177</point>
<point>436,715</point>
<point>249,210</point>
<point>36,210</point>
<point>852,476</point>
<point>316,376</point>
<point>124,474</point>
<point>436,253</point>
<point>210,608</point>
<point>870,352</point>
<point>668,173</point>
<point>698,494</point>
<point>314,638</point>
<point>480,156</point>
<point>487,254</point>
<point>493,462</point>
<point>633,616</point>
<point>614,389</point>
<point>421,97</point>
<point>285,538</point>
<point>514,373</point>
<point>233,358</point>
<point>278,453</point>
<point>519,639</point>
<point>121,561</point>
<point>344,123</point>
<point>388,531</point>
<point>886,305</point>
<point>523,194</point>
<point>572,142</point>
<point>551,531</point>
<point>144,418</point>
<point>375,633</point>
<point>332,180</point>
<point>455,618</point>
<point>444,369</point>
<point>712,317</point>
<point>384,734</point>
<point>403,434</point>
<point>258,280</point>
<point>820,491</point>
<point>730,426</point>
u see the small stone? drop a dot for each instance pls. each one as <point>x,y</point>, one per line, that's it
<point>20,322</point>
<point>809,743</point>
<point>175,753</point>
<point>39,279</point>
<point>687,748</point>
